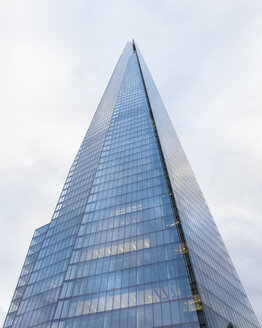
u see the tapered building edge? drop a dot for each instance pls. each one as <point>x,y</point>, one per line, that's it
<point>195,292</point>
<point>190,212</point>
<point>179,174</point>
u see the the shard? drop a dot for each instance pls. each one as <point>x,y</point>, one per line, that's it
<point>131,242</point>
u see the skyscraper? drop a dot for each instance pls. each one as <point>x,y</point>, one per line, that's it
<point>131,242</point>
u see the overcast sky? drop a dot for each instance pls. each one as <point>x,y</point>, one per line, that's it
<point>56,58</point>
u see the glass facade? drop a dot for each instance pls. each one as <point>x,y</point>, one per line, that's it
<point>223,297</point>
<point>126,245</point>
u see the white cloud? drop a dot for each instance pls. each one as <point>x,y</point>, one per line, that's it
<point>56,58</point>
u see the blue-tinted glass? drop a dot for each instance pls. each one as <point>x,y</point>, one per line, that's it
<point>128,221</point>
<point>129,226</point>
<point>221,292</point>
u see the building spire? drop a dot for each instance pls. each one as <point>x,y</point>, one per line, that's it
<point>134,45</point>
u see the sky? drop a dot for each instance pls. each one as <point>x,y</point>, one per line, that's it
<point>56,58</point>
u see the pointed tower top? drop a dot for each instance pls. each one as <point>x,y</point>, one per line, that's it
<point>134,45</point>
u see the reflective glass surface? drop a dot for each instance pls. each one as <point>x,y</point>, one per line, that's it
<point>38,299</point>
<point>223,297</point>
<point>127,263</point>
<point>131,242</point>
